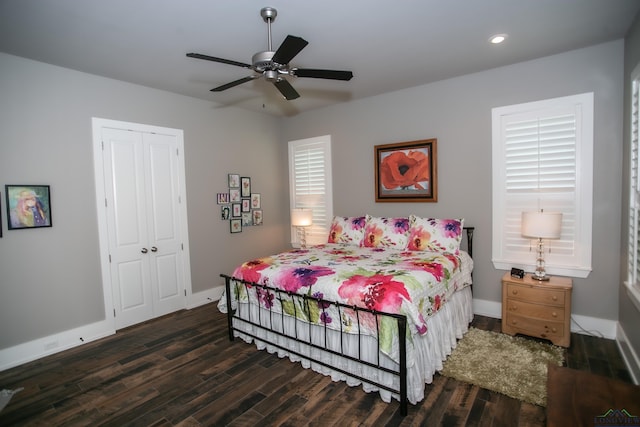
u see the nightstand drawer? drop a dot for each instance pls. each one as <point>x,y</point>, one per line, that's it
<point>538,294</point>
<point>535,310</point>
<point>536,327</point>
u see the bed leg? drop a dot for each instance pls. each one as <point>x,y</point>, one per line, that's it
<point>227,284</point>
<point>402,332</point>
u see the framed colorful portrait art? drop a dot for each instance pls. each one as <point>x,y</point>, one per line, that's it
<point>406,171</point>
<point>28,206</point>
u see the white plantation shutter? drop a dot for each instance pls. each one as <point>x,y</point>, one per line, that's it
<point>633,280</point>
<point>542,159</point>
<point>310,185</point>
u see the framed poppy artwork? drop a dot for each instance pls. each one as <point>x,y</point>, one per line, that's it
<point>28,206</point>
<point>407,171</point>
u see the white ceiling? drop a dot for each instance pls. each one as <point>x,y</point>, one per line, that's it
<point>388,45</point>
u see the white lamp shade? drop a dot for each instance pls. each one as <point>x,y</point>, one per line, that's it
<point>301,217</point>
<point>541,225</point>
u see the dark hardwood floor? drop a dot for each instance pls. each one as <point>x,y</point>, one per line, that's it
<point>181,370</point>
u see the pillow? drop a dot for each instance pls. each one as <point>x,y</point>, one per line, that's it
<point>435,235</point>
<point>386,232</point>
<point>349,230</point>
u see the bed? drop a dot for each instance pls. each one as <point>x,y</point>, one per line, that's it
<point>380,305</point>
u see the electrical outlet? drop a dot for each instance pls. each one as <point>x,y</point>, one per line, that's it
<point>51,345</point>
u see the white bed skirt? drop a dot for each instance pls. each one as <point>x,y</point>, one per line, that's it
<point>424,356</point>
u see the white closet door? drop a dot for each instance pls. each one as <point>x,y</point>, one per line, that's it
<point>167,275</point>
<point>123,160</point>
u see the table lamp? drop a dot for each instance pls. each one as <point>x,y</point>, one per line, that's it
<point>301,218</point>
<point>541,225</point>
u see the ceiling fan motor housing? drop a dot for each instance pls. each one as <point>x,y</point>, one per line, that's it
<point>262,61</point>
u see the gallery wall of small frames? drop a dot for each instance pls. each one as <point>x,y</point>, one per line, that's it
<point>240,206</point>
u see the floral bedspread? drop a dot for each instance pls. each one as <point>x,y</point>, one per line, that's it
<point>414,283</point>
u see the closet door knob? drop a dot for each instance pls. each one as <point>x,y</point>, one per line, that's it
<point>144,250</point>
<point>154,249</point>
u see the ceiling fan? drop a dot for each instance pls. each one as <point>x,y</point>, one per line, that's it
<point>273,66</point>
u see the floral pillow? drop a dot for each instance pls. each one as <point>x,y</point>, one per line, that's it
<point>386,232</point>
<point>436,235</point>
<point>348,230</point>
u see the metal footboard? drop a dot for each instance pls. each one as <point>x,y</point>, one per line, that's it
<point>265,322</point>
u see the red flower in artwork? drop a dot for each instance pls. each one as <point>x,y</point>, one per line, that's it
<point>379,292</point>
<point>402,169</point>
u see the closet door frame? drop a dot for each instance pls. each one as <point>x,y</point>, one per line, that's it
<point>98,125</point>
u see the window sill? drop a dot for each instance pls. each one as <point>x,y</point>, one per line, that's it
<point>634,294</point>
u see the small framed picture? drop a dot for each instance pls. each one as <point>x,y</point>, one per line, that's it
<point>235,225</point>
<point>245,186</point>
<point>247,219</point>
<point>257,217</point>
<point>236,210</point>
<point>234,180</point>
<point>255,201</point>
<point>28,206</point>
<point>246,205</point>
<point>234,195</point>
<point>223,198</point>
<point>225,212</point>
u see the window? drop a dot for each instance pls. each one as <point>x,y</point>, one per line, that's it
<point>543,160</point>
<point>310,185</point>
<point>633,279</point>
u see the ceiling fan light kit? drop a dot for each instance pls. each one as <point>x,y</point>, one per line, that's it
<point>274,65</point>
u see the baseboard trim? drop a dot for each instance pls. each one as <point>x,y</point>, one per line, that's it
<point>36,349</point>
<point>584,325</point>
<point>629,355</point>
<point>204,297</point>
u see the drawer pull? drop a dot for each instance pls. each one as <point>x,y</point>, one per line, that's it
<point>515,292</point>
<point>555,298</point>
<point>514,322</point>
<point>514,307</point>
<point>554,329</point>
<point>554,314</point>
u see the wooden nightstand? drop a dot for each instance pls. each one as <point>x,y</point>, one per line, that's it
<point>538,309</point>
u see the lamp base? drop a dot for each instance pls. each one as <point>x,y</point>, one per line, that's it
<point>540,278</point>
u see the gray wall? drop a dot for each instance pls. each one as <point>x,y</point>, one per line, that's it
<point>629,316</point>
<point>50,278</point>
<point>458,113</point>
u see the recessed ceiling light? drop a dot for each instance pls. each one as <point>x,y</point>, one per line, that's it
<point>497,38</point>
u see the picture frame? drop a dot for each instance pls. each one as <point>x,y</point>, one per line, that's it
<point>28,206</point>
<point>235,225</point>
<point>234,180</point>
<point>256,203</point>
<point>225,212</point>
<point>234,195</point>
<point>246,205</point>
<point>236,210</point>
<point>223,198</point>
<point>257,216</point>
<point>406,171</point>
<point>247,219</point>
<point>245,186</point>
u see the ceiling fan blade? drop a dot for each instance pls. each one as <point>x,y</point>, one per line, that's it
<point>286,89</point>
<point>289,48</point>
<point>233,83</point>
<point>322,74</point>
<point>214,59</point>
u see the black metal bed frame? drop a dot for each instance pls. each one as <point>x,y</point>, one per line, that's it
<point>304,301</point>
